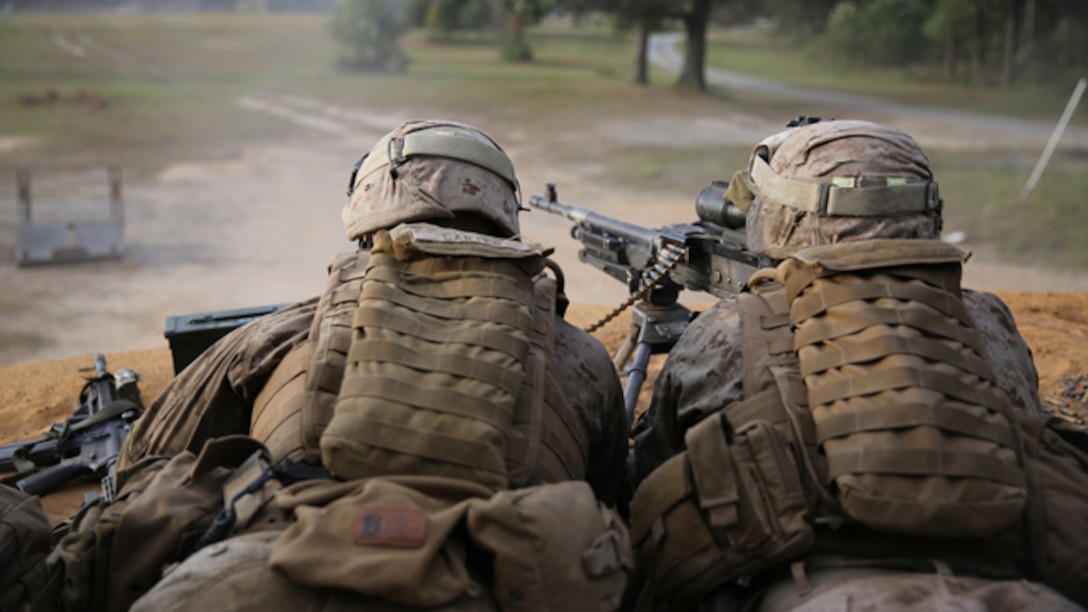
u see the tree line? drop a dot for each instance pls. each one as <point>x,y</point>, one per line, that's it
<point>995,43</point>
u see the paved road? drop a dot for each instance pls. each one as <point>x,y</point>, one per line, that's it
<point>664,53</point>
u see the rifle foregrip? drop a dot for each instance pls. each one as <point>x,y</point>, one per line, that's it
<point>52,478</point>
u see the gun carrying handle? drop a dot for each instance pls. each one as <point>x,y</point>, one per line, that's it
<point>52,478</point>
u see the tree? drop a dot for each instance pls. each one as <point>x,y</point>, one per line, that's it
<point>802,20</point>
<point>696,21</point>
<point>642,16</point>
<point>647,16</point>
<point>367,31</point>
<point>877,33</point>
<point>516,15</point>
<point>445,17</point>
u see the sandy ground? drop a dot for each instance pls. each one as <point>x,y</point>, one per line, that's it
<point>261,228</point>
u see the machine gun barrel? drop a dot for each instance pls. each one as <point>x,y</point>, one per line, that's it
<point>708,255</point>
<point>583,217</point>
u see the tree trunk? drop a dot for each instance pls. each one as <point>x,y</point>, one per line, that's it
<point>696,22</point>
<point>642,39</point>
<point>978,46</point>
<point>1012,30</point>
<point>515,30</point>
<point>950,52</point>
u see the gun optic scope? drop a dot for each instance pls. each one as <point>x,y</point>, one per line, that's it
<point>711,206</point>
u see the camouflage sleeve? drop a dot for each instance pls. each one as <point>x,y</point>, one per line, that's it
<point>702,373</point>
<point>587,377</point>
<point>1008,352</point>
<point>214,395</point>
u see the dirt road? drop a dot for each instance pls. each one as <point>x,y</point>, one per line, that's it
<point>261,228</point>
<point>944,127</point>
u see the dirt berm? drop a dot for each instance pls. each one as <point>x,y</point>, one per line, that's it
<point>35,394</point>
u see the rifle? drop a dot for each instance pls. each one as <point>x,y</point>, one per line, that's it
<point>87,442</point>
<point>709,255</point>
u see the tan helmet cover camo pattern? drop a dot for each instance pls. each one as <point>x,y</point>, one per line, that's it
<point>831,149</point>
<point>430,185</point>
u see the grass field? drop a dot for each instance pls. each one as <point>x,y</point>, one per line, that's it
<point>163,90</point>
<point>759,52</point>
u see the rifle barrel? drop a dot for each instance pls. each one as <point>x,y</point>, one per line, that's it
<point>583,216</point>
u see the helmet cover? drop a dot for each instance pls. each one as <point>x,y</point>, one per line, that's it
<point>827,150</point>
<point>429,170</point>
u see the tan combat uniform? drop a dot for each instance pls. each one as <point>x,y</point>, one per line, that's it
<point>215,395</point>
<point>704,372</point>
<point>826,184</point>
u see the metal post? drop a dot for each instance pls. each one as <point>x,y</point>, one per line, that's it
<point>22,179</point>
<point>117,210</point>
<point>1054,138</point>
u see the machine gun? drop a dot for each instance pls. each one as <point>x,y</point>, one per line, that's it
<point>708,255</point>
<point>87,442</point>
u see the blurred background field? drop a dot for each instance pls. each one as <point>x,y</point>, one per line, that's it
<point>146,91</point>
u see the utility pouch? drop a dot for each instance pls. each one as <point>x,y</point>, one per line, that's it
<point>116,552</point>
<point>731,506</point>
<point>394,537</point>
<point>25,540</point>
<point>86,550</point>
<point>1056,515</point>
<point>555,547</point>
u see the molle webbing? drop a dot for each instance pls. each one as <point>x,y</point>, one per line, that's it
<point>548,442</point>
<point>438,357</point>
<point>297,402</point>
<point>917,437</point>
<point>767,339</point>
<point>766,346</point>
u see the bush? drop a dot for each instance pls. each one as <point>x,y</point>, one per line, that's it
<point>516,51</point>
<point>367,31</point>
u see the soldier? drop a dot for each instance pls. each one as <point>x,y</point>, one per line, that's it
<point>841,435</point>
<point>279,377</point>
<point>437,381</point>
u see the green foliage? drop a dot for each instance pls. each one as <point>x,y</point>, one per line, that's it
<point>446,17</point>
<point>800,20</point>
<point>367,31</point>
<point>415,12</point>
<point>878,33</point>
<point>516,51</point>
<point>530,11</point>
<point>843,38</point>
<point>1068,43</point>
<point>477,15</point>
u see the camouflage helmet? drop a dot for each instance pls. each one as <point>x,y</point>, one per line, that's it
<point>839,181</point>
<point>429,170</point>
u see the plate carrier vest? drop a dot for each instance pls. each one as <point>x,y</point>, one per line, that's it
<point>869,402</point>
<point>541,438</point>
